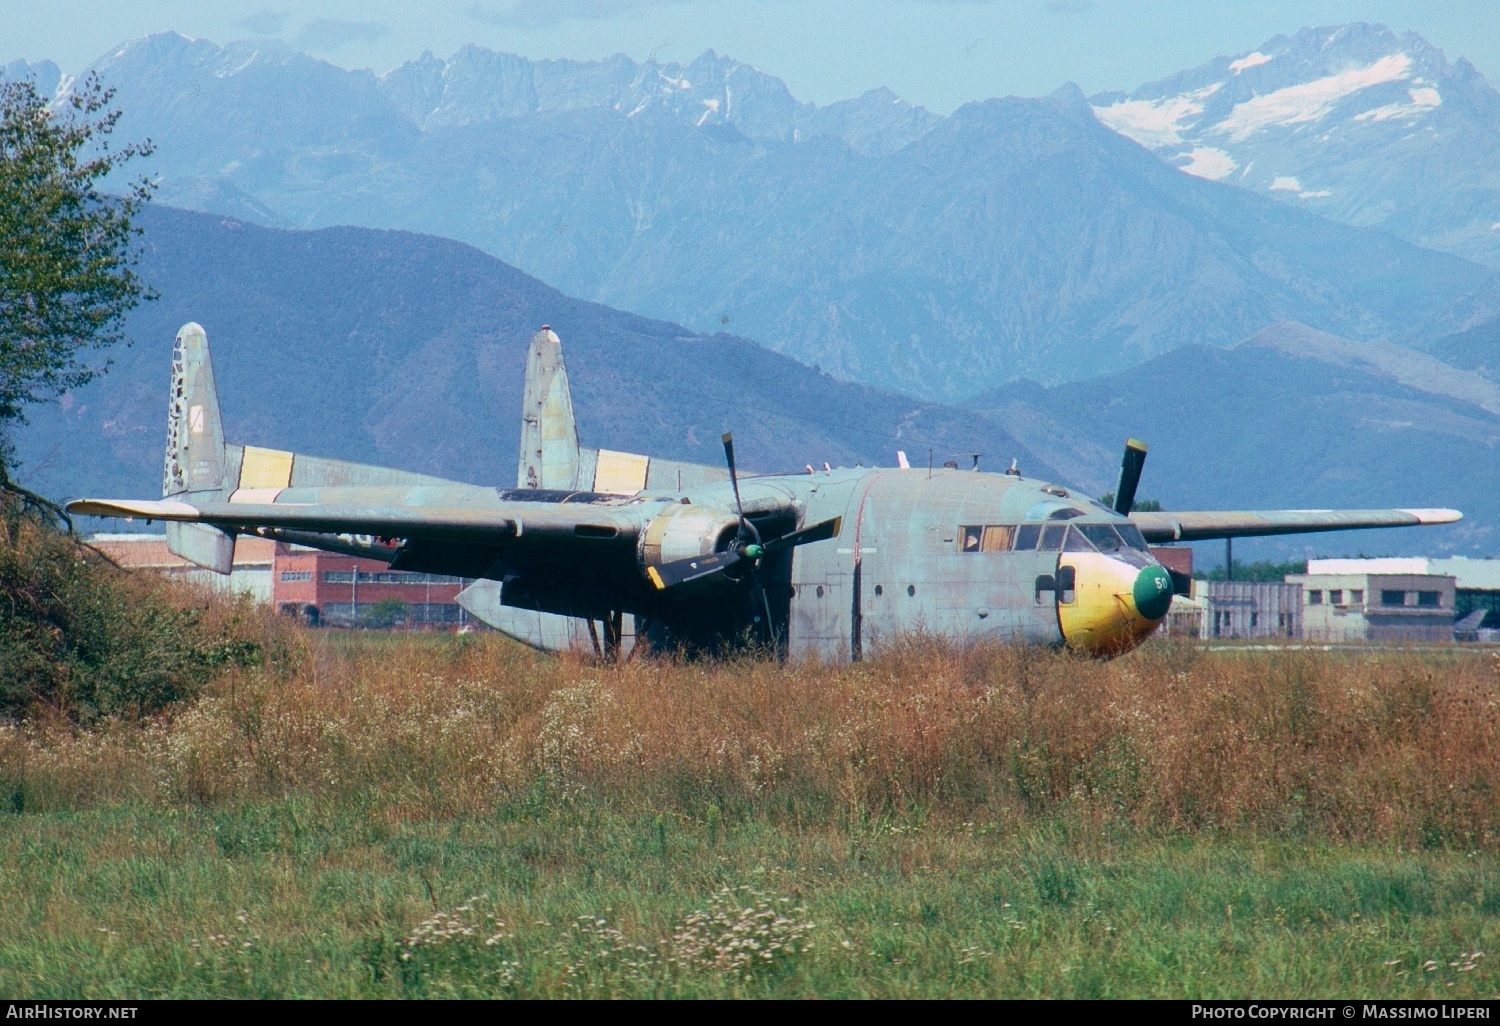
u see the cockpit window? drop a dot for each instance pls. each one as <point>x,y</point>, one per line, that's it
<point>1113,539</point>
<point>1065,514</point>
<point>1077,542</point>
<point>1110,537</point>
<point>1103,536</point>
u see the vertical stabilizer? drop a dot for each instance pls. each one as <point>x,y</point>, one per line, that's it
<point>195,434</point>
<point>549,432</point>
<point>195,448</point>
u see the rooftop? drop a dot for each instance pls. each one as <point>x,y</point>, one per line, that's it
<point>150,550</point>
<point>1477,574</point>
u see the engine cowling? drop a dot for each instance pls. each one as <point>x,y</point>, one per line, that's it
<point>685,531</point>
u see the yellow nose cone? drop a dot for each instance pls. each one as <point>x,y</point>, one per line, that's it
<point>1113,606</point>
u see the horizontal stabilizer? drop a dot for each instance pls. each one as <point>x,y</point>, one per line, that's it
<point>1201,525</point>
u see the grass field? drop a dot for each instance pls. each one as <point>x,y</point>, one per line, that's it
<point>405,816</point>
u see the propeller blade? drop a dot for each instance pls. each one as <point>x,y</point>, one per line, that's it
<point>1130,474</point>
<point>765,603</point>
<point>681,571</point>
<point>816,533</point>
<point>734,480</point>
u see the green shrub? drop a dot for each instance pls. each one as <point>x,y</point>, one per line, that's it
<point>82,638</point>
<point>385,614</point>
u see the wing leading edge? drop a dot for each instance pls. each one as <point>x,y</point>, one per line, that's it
<point>503,521</point>
<point>1204,525</point>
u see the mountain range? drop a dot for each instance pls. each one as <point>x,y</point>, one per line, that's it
<point>935,256</point>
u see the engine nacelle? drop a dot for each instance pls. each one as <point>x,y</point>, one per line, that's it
<point>685,531</point>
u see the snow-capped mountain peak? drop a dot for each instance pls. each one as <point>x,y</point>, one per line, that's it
<point>1349,120</point>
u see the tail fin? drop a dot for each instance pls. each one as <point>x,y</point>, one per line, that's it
<point>551,456</point>
<point>195,433</point>
<point>549,431</point>
<point>195,449</point>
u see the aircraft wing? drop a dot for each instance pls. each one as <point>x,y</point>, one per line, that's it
<point>428,523</point>
<point>1202,525</point>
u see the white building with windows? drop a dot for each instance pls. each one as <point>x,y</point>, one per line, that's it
<point>1250,609</point>
<point>1375,600</point>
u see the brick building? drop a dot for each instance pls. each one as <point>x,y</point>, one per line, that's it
<point>341,591</point>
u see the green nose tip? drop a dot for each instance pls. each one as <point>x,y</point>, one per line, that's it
<point>753,551</point>
<point>1152,592</point>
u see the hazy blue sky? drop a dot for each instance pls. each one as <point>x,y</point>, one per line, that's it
<point>939,53</point>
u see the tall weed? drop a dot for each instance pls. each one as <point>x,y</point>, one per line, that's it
<point>1387,745</point>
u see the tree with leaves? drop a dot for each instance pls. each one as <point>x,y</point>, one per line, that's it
<point>67,254</point>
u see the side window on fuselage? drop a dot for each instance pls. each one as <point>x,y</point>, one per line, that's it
<point>1027,536</point>
<point>985,538</point>
<point>997,538</point>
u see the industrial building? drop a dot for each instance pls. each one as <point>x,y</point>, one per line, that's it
<point>1476,594</point>
<point>1251,609</point>
<point>320,587</point>
<point>1377,600</point>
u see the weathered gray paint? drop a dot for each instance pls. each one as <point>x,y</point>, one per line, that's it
<point>554,551</point>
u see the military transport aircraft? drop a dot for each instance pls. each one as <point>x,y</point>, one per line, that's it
<point>817,564</point>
